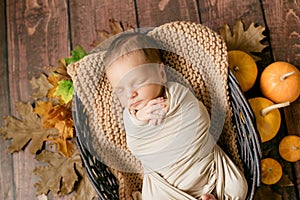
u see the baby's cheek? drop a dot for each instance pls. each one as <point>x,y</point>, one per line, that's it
<point>124,101</point>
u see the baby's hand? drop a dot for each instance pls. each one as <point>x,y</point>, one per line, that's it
<point>154,111</point>
<point>207,197</point>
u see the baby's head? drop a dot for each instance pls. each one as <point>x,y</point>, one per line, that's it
<point>135,70</point>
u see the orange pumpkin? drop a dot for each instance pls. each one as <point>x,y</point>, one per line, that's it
<point>267,116</point>
<point>280,82</point>
<point>289,148</point>
<point>243,67</point>
<point>271,171</point>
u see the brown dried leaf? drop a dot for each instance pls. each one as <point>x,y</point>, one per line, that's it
<point>246,40</point>
<point>63,146</point>
<point>61,70</point>
<point>59,176</point>
<point>85,190</point>
<point>25,130</point>
<point>41,85</point>
<point>115,28</point>
<point>266,191</point>
<point>285,181</point>
<point>163,4</point>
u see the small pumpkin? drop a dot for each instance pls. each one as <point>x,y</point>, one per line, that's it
<point>267,116</point>
<point>271,171</point>
<point>280,82</point>
<point>289,148</point>
<point>243,67</point>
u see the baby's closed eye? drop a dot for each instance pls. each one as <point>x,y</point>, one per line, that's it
<point>118,90</point>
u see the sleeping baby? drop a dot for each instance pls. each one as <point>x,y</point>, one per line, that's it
<point>167,128</point>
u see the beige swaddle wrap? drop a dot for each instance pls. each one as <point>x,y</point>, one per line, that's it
<point>180,158</point>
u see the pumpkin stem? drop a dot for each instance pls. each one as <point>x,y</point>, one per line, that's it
<point>294,148</point>
<point>236,68</point>
<point>284,76</point>
<point>268,109</point>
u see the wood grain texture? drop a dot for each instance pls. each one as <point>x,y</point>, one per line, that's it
<point>152,13</point>
<point>215,14</point>
<point>283,19</point>
<point>4,89</point>
<point>37,35</point>
<point>6,170</point>
<point>89,16</point>
<point>292,118</point>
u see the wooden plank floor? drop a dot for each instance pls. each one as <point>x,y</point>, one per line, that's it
<point>35,33</point>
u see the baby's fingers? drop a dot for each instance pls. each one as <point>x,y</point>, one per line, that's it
<point>156,101</point>
<point>154,108</point>
<point>152,122</point>
<point>159,121</point>
<point>160,112</point>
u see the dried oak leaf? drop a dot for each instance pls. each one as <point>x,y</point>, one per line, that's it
<point>84,190</point>
<point>246,40</point>
<point>266,191</point>
<point>285,181</point>
<point>59,176</point>
<point>26,130</point>
<point>41,85</point>
<point>61,70</point>
<point>115,28</point>
<point>64,146</point>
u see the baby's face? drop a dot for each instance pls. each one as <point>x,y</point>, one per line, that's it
<point>134,81</point>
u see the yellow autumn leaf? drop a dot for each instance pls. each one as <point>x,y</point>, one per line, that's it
<point>53,80</point>
<point>66,130</point>
<point>248,40</point>
<point>42,108</point>
<point>56,114</point>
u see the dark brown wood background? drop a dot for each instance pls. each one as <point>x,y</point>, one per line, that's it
<point>35,33</point>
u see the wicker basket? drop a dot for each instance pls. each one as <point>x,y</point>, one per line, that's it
<point>239,136</point>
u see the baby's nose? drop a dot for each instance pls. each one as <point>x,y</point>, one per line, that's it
<point>131,94</point>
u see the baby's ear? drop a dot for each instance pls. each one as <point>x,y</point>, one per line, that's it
<point>162,72</point>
